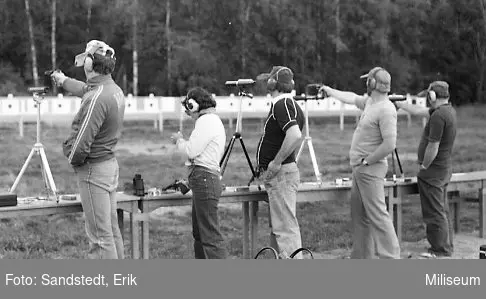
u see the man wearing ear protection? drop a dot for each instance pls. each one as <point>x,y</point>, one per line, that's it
<point>204,150</point>
<point>276,160</point>
<point>96,129</point>
<point>373,140</point>
<point>435,166</point>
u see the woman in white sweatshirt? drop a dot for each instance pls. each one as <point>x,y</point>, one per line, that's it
<point>204,150</point>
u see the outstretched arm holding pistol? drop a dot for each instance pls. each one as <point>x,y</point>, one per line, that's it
<point>76,87</point>
<point>347,97</point>
<point>412,109</point>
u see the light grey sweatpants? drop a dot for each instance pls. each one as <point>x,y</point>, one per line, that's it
<point>373,231</point>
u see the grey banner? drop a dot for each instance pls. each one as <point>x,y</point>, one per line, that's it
<point>174,279</point>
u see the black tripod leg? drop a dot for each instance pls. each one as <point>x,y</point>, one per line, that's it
<point>226,151</point>
<point>247,156</point>
<point>226,155</point>
<point>398,160</point>
<point>248,160</point>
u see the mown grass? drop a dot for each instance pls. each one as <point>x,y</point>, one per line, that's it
<point>324,225</point>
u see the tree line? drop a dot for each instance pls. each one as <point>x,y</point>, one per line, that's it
<point>166,46</point>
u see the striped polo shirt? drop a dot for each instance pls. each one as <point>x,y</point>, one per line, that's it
<point>284,113</point>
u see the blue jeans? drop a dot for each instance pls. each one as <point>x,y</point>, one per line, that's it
<point>97,187</point>
<point>206,190</point>
<point>282,202</point>
<point>373,231</point>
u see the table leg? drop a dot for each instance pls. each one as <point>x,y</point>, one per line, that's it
<point>398,214</point>
<point>389,195</point>
<point>482,212</point>
<point>246,220</point>
<point>145,234</point>
<point>119,213</point>
<point>253,226</point>
<point>135,236</point>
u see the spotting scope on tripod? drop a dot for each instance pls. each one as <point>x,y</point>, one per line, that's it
<point>312,93</point>
<point>38,93</point>
<point>243,85</point>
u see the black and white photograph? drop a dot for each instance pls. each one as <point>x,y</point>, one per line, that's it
<point>242,130</point>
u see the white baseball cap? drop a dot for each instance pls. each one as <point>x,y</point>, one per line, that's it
<point>94,46</point>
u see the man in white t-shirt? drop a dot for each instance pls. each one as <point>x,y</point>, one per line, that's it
<point>373,140</point>
<point>204,150</point>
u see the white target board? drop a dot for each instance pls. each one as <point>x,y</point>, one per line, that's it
<point>151,104</point>
<point>10,107</point>
<point>334,104</point>
<point>227,104</point>
<point>130,105</point>
<point>261,104</point>
<point>31,107</point>
<point>60,106</point>
<point>421,102</point>
<point>170,104</point>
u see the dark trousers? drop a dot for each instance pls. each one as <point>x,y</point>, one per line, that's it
<point>435,212</point>
<point>206,190</point>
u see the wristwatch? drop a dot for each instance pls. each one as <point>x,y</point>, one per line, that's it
<point>364,162</point>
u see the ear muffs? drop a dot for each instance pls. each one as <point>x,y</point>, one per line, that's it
<point>88,62</point>
<point>191,105</point>
<point>431,96</point>
<point>373,84</point>
<point>272,81</point>
<point>371,81</point>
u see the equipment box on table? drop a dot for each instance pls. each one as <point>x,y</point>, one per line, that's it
<point>8,200</point>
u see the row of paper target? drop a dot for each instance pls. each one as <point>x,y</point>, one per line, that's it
<point>69,105</point>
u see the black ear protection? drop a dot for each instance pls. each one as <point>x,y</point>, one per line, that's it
<point>272,81</point>
<point>191,105</point>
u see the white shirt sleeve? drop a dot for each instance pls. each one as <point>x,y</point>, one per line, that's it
<point>199,139</point>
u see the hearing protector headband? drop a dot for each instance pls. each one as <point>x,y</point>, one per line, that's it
<point>190,104</point>
<point>273,80</point>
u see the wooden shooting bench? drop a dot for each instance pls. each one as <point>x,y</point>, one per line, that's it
<point>139,208</point>
<point>249,200</point>
<point>308,192</point>
<point>34,207</point>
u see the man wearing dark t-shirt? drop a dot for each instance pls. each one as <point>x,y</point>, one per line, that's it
<point>434,158</point>
<point>276,160</point>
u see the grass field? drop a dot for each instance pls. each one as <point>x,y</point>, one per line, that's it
<point>324,225</point>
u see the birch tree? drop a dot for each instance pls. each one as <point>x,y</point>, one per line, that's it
<point>33,52</point>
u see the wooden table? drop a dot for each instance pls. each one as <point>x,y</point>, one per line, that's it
<point>140,207</point>
<point>308,192</point>
<point>28,207</point>
<point>249,200</point>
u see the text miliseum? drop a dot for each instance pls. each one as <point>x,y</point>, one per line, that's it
<point>441,279</point>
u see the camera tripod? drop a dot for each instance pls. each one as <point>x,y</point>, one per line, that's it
<point>308,140</point>
<point>38,95</point>
<point>237,135</point>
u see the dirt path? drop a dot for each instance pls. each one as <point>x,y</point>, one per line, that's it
<point>466,246</point>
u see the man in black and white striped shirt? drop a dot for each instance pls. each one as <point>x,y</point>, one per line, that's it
<point>276,160</point>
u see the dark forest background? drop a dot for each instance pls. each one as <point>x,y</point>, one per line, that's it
<point>166,46</point>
